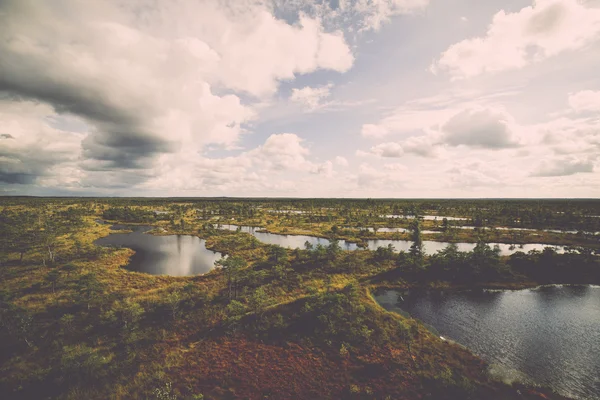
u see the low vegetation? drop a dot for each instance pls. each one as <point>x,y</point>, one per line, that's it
<point>267,322</point>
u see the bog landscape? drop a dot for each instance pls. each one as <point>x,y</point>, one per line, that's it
<point>300,199</point>
<point>299,298</point>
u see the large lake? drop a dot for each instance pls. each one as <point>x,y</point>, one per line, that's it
<point>177,255</point>
<point>548,335</point>
<point>431,247</point>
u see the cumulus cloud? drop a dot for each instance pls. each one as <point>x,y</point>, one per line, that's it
<point>563,167</point>
<point>149,78</point>
<point>424,146</point>
<point>194,172</point>
<point>341,161</point>
<point>325,169</point>
<point>569,143</point>
<point>585,100</point>
<point>477,127</point>
<point>514,40</point>
<point>480,128</point>
<point>260,168</point>
<point>282,151</point>
<point>311,97</point>
<point>389,149</point>
<point>161,97</point>
<point>427,114</point>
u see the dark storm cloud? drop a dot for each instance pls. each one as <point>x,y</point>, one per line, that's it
<point>6,136</point>
<point>16,177</point>
<point>120,134</point>
<point>18,167</point>
<point>121,151</point>
<point>31,69</point>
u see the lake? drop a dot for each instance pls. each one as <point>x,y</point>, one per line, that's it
<point>548,335</point>
<point>391,230</point>
<point>425,217</point>
<point>431,247</point>
<point>176,255</point>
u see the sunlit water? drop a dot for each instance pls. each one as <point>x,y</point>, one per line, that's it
<point>551,335</point>
<point>177,255</point>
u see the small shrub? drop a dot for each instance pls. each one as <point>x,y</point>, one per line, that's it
<point>165,392</point>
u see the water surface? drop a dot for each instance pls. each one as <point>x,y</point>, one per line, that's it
<point>177,255</point>
<point>549,335</point>
<point>430,246</point>
<point>425,217</point>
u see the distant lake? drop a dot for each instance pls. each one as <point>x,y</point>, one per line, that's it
<point>431,247</point>
<point>548,335</point>
<point>176,255</point>
<point>425,217</point>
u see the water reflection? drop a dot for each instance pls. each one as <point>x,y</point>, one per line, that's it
<point>177,255</point>
<point>551,334</point>
<point>430,246</point>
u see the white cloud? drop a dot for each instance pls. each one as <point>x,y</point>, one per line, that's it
<point>271,50</point>
<point>424,146</point>
<point>311,97</point>
<point>485,128</point>
<point>374,131</point>
<point>282,151</point>
<point>261,168</point>
<point>429,113</point>
<point>467,137</point>
<point>585,100</point>
<point>160,98</point>
<point>563,167</point>
<point>463,124</point>
<point>341,161</point>
<point>514,40</point>
<point>325,169</point>
<point>388,150</point>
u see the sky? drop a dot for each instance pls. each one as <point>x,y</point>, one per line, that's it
<point>299,98</point>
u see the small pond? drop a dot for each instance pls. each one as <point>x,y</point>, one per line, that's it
<point>176,255</point>
<point>548,335</point>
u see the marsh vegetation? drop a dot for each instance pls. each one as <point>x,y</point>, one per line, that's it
<point>265,320</point>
